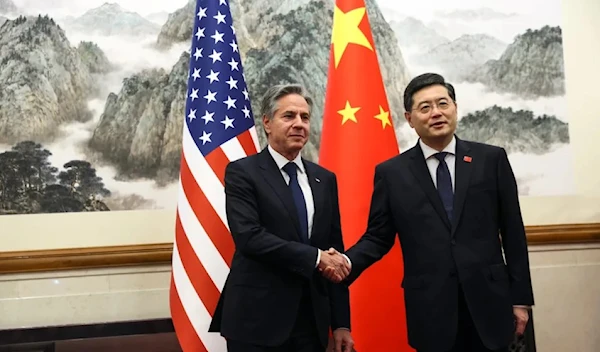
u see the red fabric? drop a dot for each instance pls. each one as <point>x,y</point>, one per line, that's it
<point>352,149</point>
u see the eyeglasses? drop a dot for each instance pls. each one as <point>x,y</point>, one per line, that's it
<point>427,107</point>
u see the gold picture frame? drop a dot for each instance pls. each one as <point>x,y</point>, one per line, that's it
<point>160,253</point>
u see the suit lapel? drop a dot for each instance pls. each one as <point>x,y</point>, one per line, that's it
<point>273,176</point>
<point>317,189</point>
<point>462,176</point>
<point>421,172</point>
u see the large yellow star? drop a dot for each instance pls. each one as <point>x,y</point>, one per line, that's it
<point>348,113</point>
<point>346,31</point>
<point>384,117</point>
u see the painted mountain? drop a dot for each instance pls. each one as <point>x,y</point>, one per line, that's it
<point>515,131</point>
<point>287,41</point>
<point>414,35</point>
<point>91,115</point>
<point>140,129</point>
<point>532,66</point>
<point>45,81</point>
<point>45,85</point>
<point>111,19</point>
<point>458,58</point>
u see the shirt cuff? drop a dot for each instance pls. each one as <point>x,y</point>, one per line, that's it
<point>318,257</point>
<point>347,259</point>
<point>526,307</point>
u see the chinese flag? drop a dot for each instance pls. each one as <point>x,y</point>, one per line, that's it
<point>358,134</point>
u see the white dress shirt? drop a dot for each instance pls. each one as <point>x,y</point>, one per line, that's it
<point>433,162</point>
<point>281,161</point>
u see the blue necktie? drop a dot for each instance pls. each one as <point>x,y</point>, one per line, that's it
<point>444,184</point>
<point>292,170</point>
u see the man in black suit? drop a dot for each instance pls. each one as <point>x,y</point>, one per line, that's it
<point>282,211</point>
<point>454,205</point>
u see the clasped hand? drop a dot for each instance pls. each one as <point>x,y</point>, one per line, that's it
<point>333,265</point>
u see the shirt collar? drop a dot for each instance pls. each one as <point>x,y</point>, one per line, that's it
<point>281,160</point>
<point>429,152</point>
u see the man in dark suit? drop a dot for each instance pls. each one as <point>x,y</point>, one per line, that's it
<point>282,211</point>
<point>454,205</point>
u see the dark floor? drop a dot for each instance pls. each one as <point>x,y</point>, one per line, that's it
<point>164,342</point>
<point>137,336</point>
<point>133,336</point>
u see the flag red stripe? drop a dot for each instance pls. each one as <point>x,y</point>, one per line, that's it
<point>186,334</point>
<point>218,162</point>
<point>206,214</point>
<point>352,151</point>
<point>199,277</point>
<point>247,142</point>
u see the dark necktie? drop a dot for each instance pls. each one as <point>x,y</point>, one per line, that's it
<point>444,184</point>
<point>292,170</point>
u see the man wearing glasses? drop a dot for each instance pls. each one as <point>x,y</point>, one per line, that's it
<point>454,205</point>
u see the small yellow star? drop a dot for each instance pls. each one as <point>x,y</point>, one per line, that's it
<point>346,31</point>
<point>348,113</point>
<point>384,117</point>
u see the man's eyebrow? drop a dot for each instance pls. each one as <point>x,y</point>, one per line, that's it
<point>429,101</point>
<point>295,112</point>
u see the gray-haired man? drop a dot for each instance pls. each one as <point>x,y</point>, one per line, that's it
<point>283,212</point>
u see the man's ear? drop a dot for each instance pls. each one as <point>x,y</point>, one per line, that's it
<point>408,118</point>
<point>266,124</point>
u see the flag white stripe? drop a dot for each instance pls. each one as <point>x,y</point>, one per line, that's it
<point>254,135</point>
<point>233,149</point>
<point>197,314</point>
<point>204,175</point>
<point>204,248</point>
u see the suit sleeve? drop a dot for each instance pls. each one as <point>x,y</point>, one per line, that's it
<point>251,238</point>
<point>512,231</point>
<point>339,298</point>
<point>380,235</point>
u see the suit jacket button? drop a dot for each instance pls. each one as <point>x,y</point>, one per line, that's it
<point>453,242</point>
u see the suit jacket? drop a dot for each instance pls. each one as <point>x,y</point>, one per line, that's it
<point>271,268</point>
<point>439,255</point>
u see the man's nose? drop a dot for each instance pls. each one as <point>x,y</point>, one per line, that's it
<point>298,122</point>
<point>435,111</point>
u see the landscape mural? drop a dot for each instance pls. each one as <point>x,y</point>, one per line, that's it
<point>92,94</point>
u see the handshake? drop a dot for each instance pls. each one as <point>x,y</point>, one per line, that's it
<point>334,266</point>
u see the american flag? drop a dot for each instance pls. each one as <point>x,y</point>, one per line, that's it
<point>219,128</point>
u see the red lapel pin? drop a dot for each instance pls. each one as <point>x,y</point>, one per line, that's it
<point>467,159</point>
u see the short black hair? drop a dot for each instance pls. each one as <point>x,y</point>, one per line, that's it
<point>423,81</point>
